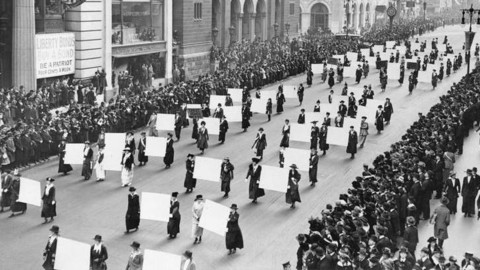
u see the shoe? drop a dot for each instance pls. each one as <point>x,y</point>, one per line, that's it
<point>127,231</point>
<point>230,252</point>
<point>195,242</point>
<point>199,239</point>
<point>45,222</point>
<point>254,201</point>
<point>234,251</point>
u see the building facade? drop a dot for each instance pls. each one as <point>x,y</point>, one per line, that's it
<point>45,40</point>
<point>199,24</point>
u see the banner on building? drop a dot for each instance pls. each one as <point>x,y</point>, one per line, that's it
<point>55,54</point>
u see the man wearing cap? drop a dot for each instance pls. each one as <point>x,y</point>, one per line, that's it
<point>190,182</point>
<point>233,237</point>
<point>51,249</point>
<point>98,254</point>
<point>197,210</point>
<point>223,129</point>
<point>253,176</point>
<point>226,176</point>
<point>135,261</point>
<point>173,226</point>
<point>451,190</point>
<point>469,193</point>
<point>48,201</point>
<point>292,195</point>
<point>411,235</point>
<point>87,167</point>
<point>132,218</point>
<point>352,142</point>
<point>441,219</point>
<point>142,146</point>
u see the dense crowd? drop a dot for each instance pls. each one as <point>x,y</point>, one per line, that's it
<point>373,225</point>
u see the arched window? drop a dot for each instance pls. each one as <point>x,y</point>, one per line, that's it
<point>319,16</point>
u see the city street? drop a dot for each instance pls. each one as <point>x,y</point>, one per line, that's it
<point>87,208</point>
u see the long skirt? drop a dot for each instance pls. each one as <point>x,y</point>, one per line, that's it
<point>127,176</point>
<point>189,182</point>
<point>292,195</point>
<point>132,220</point>
<point>87,168</point>
<point>173,226</point>
<point>62,167</point>
<point>225,185</point>
<point>168,159</point>
<point>234,239</point>
<point>285,141</point>
<point>49,210</point>
<point>5,200</point>
<point>254,191</point>
<point>99,171</point>
<point>18,206</point>
<point>142,157</point>
<point>197,231</point>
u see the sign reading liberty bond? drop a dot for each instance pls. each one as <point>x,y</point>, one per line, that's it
<point>55,54</point>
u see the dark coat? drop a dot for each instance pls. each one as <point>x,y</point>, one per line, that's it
<point>411,235</point>
<point>132,218</point>
<point>313,169</point>
<point>352,142</point>
<point>49,254</point>
<point>253,188</point>
<point>49,208</point>
<point>233,238</point>
<point>189,182</point>
<point>292,195</point>
<point>97,259</point>
<point>169,153</point>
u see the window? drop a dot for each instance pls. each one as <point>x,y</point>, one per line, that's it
<point>197,11</point>
<point>292,8</point>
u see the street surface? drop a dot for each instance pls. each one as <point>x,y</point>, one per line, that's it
<point>86,208</point>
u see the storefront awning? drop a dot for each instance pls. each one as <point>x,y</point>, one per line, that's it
<point>129,50</point>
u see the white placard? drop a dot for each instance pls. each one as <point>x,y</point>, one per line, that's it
<point>55,54</point>
<point>414,47</point>
<point>370,110</point>
<point>269,94</point>
<point>30,192</point>
<point>384,56</point>
<point>194,106</point>
<point>274,178</point>
<point>114,145</point>
<point>259,105</point>
<point>233,113</point>
<point>236,94</point>
<point>74,153</point>
<point>317,68</point>
<point>215,100</point>
<point>357,91</point>
<point>401,49</point>
<point>207,169</point>
<point>100,99</point>
<point>390,44</point>
<point>336,100</point>
<point>349,72</point>
<point>365,52</point>
<point>214,217</point>
<point>212,125</point>
<point>372,61</point>
<point>72,255</point>
<point>314,116</point>
<point>290,91</point>
<point>300,132</point>
<point>424,77</point>
<point>326,107</point>
<point>352,56</point>
<point>157,260</point>
<point>337,136</point>
<point>155,146</point>
<point>299,157</point>
<point>393,71</point>
<point>165,121</point>
<point>377,49</point>
<point>355,122</point>
<point>155,206</point>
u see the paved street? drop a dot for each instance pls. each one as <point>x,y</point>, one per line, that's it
<point>269,227</point>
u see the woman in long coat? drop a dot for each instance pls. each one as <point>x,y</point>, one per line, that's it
<point>434,79</point>
<point>173,226</point>
<point>379,117</point>
<point>233,237</point>
<point>331,78</point>
<point>314,132</point>
<point>260,143</point>
<point>169,151</point>
<point>313,169</point>
<point>190,182</point>
<point>49,207</point>
<point>202,142</point>
<point>325,72</point>
<point>6,181</point>
<point>62,167</point>
<point>292,194</point>
<point>253,176</point>
<point>352,142</point>
<point>322,136</point>
<point>16,206</point>
<point>309,77</point>
<point>142,145</point>
<point>197,210</point>
<point>226,175</point>
<point>280,100</point>
<point>285,134</point>
<point>99,168</point>
<point>132,218</point>
<point>127,167</point>
<point>87,167</point>
<point>195,129</point>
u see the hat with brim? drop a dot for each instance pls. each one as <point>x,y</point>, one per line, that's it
<point>234,206</point>
<point>55,229</point>
<point>199,197</point>
<point>132,189</point>
<point>97,238</point>
<point>431,239</point>
<point>49,179</point>
<point>314,122</point>
<point>256,160</point>
<point>190,155</point>
<point>293,166</point>
<point>468,255</point>
<point>126,149</point>
<point>135,244</point>
<point>453,173</point>
<point>444,201</point>
<point>286,264</point>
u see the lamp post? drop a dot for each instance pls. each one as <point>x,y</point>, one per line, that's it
<point>231,30</point>
<point>214,36</point>
<point>275,28</point>
<point>287,27</point>
<point>424,9</point>
<point>469,36</point>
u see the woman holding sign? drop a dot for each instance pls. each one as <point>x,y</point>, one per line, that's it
<point>292,194</point>
<point>260,143</point>
<point>233,238</point>
<point>87,168</point>
<point>190,182</point>
<point>253,176</point>
<point>202,142</point>
<point>127,167</point>
<point>62,167</point>
<point>226,176</point>
<point>48,199</point>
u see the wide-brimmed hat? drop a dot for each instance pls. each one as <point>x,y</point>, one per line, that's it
<point>97,238</point>
<point>431,239</point>
<point>174,194</point>
<point>256,160</point>
<point>190,155</point>
<point>468,255</point>
<point>199,197</point>
<point>49,179</point>
<point>135,244</point>
<point>453,173</point>
<point>293,166</point>
<point>55,229</point>
<point>410,220</point>
<point>132,189</point>
<point>234,206</point>
<point>188,254</point>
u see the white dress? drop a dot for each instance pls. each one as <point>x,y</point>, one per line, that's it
<point>99,169</point>
<point>127,175</point>
<point>197,210</point>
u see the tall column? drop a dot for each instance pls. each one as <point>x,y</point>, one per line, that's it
<point>240,26</point>
<point>264,26</point>
<point>251,26</point>
<point>24,63</point>
<point>168,25</point>
<point>306,22</point>
<point>107,41</point>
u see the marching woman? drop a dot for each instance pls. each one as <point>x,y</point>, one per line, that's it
<point>300,93</point>
<point>352,142</point>
<point>195,129</point>
<point>383,79</point>
<point>441,72</point>
<point>223,129</point>
<point>87,167</point>
<point>173,226</point>
<point>99,169</point>
<point>51,249</point>
<point>316,108</point>
<point>358,74</point>
<point>62,167</point>
<point>48,201</point>
<point>340,72</point>
<point>379,117</point>
<point>132,218</point>
<point>280,99</point>
<point>169,151</point>
<point>325,72</point>
<point>98,254</point>
<point>6,181</point>
<point>402,74</point>
<point>411,83</point>
<point>190,182</point>
<point>292,194</point>
<point>331,78</point>
<point>202,142</point>
<point>309,77</point>
<point>142,145</point>
<point>246,117</point>
<point>130,142</point>
<point>260,143</point>
<point>322,135</point>
<point>268,111</point>
<point>127,167</point>
<point>313,169</point>
<point>388,111</point>
<point>434,79</point>
<point>253,176</point>
<point>285,142</point>
<point>226,176</point>
<point>197,210</point>
<point>366,69</point>
<point>233,237</point>
<point>314,132</point>
<point>449,67</point>
<point>15,205</point>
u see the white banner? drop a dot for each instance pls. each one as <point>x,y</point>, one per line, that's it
<point>55,54</point>
<point>72,255</point>
<point>207,169</point>
<point>155,206</point>
<point>157,260</point>
<point>215,217</point>
<point>30,192</point>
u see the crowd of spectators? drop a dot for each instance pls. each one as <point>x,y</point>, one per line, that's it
<point>373,225</point>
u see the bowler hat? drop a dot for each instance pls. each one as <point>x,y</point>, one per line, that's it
<point>188,254</point>
<point>256,160</point>
<point>49,179</point>
<point>174,194</point>
<point>135,244</point>
<point>431,239</point>
<point>132,189</point>
<point>234,206</point>
<point>55,229</point>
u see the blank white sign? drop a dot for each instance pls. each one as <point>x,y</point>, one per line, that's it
<point>30,192</point>
<point>233,113</point>
<point>365,52</point>
<point>337,136</point>
<point>274,178</point>
<point>290,91</point>
<point>317,68</point>
<point>314,116</point>
<point>165,121</point>
<point>377,49</point>
<point>215,99</point>
<point>390,44</point>
<point>352,56</point>
<point>300,132</point>
<point>214,217</point>
<point>207,169</point>
<point>259,105</point>
<point>74,153</point>
<point>72,255</point>
<point>336,100</point>
<point>155,206</point>
<point>114,145</point>
<point>299,157</point>
<point>157,260</point>
<point>349,72</point>
<point>269,94</point>
<point>393,71</point>
<point>212,125</point>
<point>236,94</point>
<point>327,107</point>
<point>355,122</point>
<point>156,146</point>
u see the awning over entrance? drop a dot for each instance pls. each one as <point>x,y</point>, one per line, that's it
<point>129,50</point>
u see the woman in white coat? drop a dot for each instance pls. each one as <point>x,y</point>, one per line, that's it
<point>197,210</point>
<point>99,169</point>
